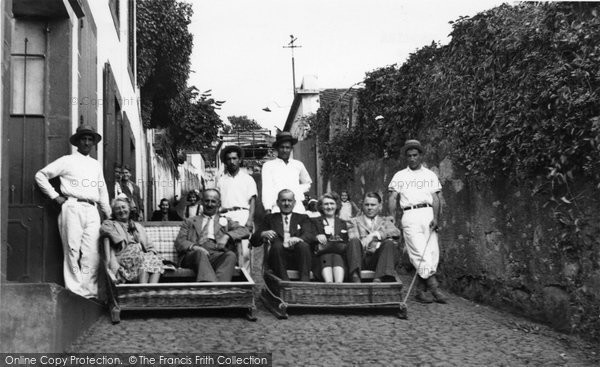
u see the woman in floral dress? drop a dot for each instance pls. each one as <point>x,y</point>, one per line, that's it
<point>133,258</point>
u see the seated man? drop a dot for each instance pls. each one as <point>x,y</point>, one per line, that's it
<point>165,213</point>
<point>290,235</point>
<point>205,242</point>
<point>370,242</point>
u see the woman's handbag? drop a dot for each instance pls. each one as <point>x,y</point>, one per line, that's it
<point>333,246</point>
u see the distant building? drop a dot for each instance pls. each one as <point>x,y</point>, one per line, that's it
<point>256,145</point>
<point>307,101</point>
<point>167,181</point>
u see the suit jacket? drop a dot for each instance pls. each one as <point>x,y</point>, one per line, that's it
<point>384,225</point>
<point>190,233</point>
<point>172,215</point>
<point>300,226</point>
<point>136,195</point>
<point>340,230</point>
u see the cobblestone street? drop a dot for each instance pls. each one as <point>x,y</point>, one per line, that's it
<point>460,333</point>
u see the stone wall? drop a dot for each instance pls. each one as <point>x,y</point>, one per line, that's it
<point>500,245</point>
<point>43,317</point>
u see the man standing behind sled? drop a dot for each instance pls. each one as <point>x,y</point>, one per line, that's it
<point>133,193</point>
<point>419,190</point>
<point>82,185</point>
<point>284,172</point>
<point>371,242</point>
<point>205,241</point>
<point>116,190</point>
<point>238,196</point>
<point>290,235</point>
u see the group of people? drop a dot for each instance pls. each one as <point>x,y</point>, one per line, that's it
<point>334,249</point>
<point>218,226</point>
<point>127,189</point>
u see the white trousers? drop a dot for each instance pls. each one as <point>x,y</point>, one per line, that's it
<point>79,227</point>
<point>421,241</point>
<point>241,216</point>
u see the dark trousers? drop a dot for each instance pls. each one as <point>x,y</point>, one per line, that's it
<point>297,257</point>
<point>217,266</point>
<point>381,261</point>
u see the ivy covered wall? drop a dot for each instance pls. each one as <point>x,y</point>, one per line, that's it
<point>510,110</point>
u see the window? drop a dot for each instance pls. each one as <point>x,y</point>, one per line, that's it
<point>115,11</point>
<point>131,38</point>
<point>28,68</point>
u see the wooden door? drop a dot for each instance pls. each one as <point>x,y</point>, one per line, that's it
<point>38,131</point>
<point>113,127</point>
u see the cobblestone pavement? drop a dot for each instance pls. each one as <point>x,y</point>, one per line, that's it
<point>461,333</point>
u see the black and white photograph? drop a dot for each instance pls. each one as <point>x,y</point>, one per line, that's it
<point>299,183</point>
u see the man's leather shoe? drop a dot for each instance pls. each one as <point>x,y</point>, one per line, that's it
<point>438,296</point>
<point>355,278</point>
<point>377,280</point>
<point>433,286</point>
<point>423,297</point>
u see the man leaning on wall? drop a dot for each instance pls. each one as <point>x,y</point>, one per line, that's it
<point>82,187</point>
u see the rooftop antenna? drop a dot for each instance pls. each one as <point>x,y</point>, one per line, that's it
<point>293,46</point>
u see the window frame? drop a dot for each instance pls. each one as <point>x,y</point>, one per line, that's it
<point>115,11</point>
<point>22,110</point>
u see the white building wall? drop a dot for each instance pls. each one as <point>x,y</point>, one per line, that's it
<point>112,48</point>
<point>164,186</point>
<point>309,104</point>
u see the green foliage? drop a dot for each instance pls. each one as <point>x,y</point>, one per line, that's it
<point>197,123</point>
<point>164,46</point>
<point>516,93</point>
<point>523,93</point>
<point>513,98</point>
<point>241,123</point>
<point>188,118</point>
<point>338,160</point>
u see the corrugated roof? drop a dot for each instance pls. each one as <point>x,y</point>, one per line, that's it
<point>328,97</point>
<point>249,137</point>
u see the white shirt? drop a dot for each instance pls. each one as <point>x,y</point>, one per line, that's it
<point>345,210</point>
<point>328,227</point>
<point>132,202</point>
<point>192,211</point>
<point>118,191</point>
<point>209,224</point>
<point>236,190</point>
<point>286,226</point>
<point>415,187</point>
<point>80,176</point>
<point>277,175</point>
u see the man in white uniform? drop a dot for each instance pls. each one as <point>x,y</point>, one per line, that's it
<point>419,190</point>
<point>83,187</point>
<point>282,173</point>
<point>238,197</point>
